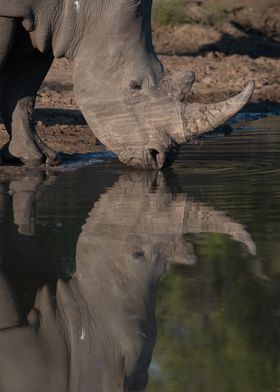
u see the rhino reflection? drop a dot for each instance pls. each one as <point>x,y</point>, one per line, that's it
<point>97,330</point>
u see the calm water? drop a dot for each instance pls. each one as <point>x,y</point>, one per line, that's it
<point>92,259</point>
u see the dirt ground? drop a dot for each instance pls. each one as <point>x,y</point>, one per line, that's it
<point>245,46</point>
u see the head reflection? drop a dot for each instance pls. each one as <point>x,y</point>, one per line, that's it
<point>97,330</point>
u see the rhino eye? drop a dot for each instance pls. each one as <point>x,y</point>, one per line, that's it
<point>134,85</point>
<point>138,254</point>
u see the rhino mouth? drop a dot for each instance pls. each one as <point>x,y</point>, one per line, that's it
<point>150,158</point>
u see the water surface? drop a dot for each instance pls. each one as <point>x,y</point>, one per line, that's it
<point>94,258</point>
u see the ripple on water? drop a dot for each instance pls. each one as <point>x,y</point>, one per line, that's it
<point>253,148</point>
<point>217,306</point>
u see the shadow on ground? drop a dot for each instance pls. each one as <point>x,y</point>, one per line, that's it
<point>58,87</point>
<point>252,43</point>
<point>50,116</point>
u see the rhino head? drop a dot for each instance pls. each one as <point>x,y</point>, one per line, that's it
<point>135,107</point>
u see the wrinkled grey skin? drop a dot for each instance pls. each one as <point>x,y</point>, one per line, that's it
<point>97,331</point>
<point>133,106</point>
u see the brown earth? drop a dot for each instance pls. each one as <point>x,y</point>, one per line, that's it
<point>245,46</point>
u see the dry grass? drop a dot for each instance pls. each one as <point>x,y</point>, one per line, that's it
<point>178,12</point>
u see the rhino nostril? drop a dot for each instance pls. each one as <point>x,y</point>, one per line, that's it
<point>153,153</point>
<point>158,157</point>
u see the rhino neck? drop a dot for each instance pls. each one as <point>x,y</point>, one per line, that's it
<point>107,31</point>
<point>93,361</point>
<point>99,22</point>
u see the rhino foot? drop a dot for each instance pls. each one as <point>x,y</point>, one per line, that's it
<point>25,150</point>
<point>54,161</point>
<point>31,155</point>
<point>52,157</point>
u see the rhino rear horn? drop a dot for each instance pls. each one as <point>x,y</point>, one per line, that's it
<point>180,83</point>
<point>183,82</point>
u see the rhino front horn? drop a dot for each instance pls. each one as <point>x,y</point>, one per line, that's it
<point>198,119</point>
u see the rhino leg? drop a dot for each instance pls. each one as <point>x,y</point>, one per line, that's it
<point>9,315</point>
<point>20,80</point>
<point>7,31</point>
<point>24,195</point>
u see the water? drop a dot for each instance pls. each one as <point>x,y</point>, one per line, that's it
<point>94,257</point>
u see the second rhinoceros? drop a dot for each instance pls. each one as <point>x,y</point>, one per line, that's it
<point>136,108</point>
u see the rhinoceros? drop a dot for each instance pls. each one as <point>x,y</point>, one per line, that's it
<point>96,331</point>
<point>135,107</point>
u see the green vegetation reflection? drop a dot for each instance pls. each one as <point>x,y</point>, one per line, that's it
<point>218,323</point>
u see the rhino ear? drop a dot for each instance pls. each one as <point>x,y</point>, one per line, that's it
<point>182,253</point>
<point>180,83</point>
